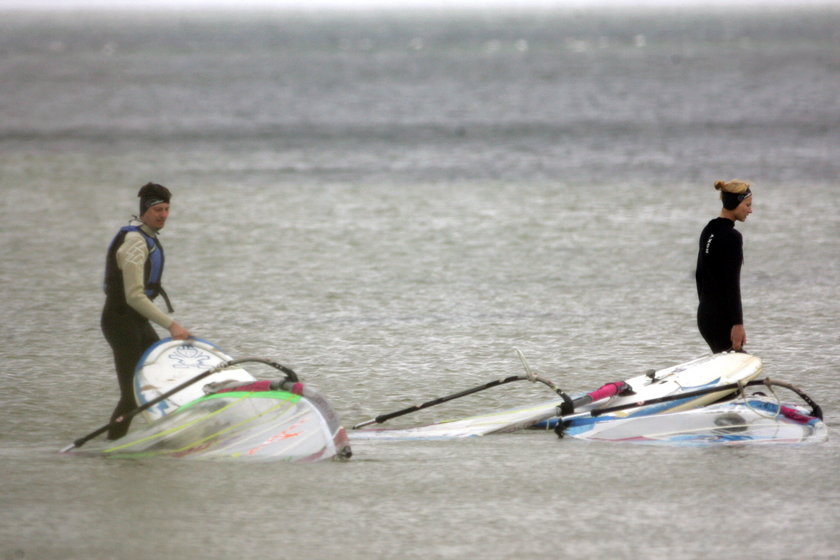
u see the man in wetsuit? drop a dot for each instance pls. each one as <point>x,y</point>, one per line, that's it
<point>718,276</point>
<point>133,271</point>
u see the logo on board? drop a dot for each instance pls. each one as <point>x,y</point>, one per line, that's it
<point>188,356</point>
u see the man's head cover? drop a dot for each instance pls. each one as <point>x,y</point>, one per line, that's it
<point>151,194</point>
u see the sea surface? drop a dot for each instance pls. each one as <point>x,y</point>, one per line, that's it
<point>390,203</point>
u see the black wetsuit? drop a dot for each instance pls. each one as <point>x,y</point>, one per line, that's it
<point>718,279</point>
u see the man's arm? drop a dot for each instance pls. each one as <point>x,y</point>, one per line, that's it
<point>131,260</point>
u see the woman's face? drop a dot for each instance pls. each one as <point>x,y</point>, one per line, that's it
<point>744,209</point>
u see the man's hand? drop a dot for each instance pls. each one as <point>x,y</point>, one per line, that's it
<point>177,332</point>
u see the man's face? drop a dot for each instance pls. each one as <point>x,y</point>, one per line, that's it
<point>155,217</point>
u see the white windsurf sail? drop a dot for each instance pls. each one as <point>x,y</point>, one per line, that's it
<point>700,375</point>
<point>256,421</point>
<point>756,420</point>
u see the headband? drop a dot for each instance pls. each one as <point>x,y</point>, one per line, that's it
<point>146,203</point>
<point>732,200</point>
<point>151,194</point>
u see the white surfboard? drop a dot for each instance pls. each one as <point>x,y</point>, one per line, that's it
<point>703,373</point>
<point>168,363</point>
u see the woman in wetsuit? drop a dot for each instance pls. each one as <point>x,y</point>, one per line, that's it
<point>719,314</point>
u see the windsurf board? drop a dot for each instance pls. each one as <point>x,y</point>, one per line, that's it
<point>168,363</point>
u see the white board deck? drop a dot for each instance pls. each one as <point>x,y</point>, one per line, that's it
<point>168,363</point>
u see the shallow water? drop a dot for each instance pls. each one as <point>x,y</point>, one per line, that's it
<point>389,205</point>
